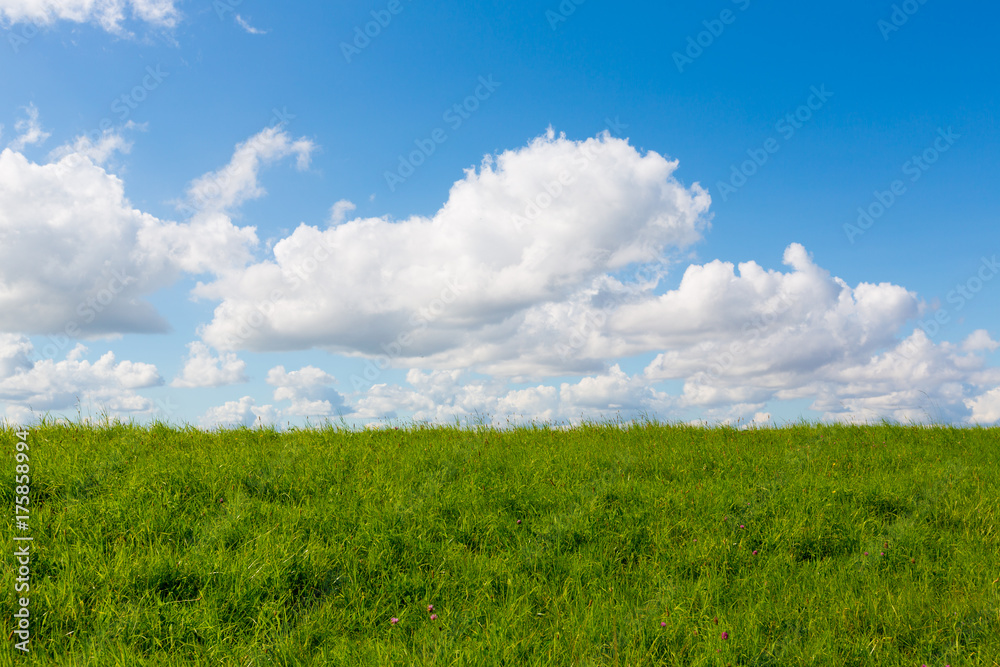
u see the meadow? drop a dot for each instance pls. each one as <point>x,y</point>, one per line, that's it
<point>602,544</point>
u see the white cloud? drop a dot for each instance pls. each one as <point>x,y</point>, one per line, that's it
<point>201,369</point>
<point>244,412</point>
<point>15,354</point>
<point>98,152</point>
<point>19,415</point>
<point>980,340</point>
<point>237,182</point>
<point>499,246</point>
<point>531,404</point>
<point>530,270</point>
<point>612,391</point>
<point>444,396</point>
<point>76,257</point>
<point>309,390</point>
<point>985,408</point>
<point>30,129</point>
<point>738,342</point>
<point>109,14</point>
<point>71,256</point>
<point>47,384</point>
<point>249,28</point>
<point>544,262</point>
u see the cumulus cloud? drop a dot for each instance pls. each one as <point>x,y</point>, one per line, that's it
<point>76,258</point>
<point>980,340</point>
<point>544,262</point>
<point>109,14</point>
<point>71,255</point>
<point>242,412</point>
<point>547,261</point>
<point>15,354</point>
<point>718,327</point>
<point>736,340</point>
<point>47,384</point>
<point>201,369</point>
<point>444,396</point>
<point>309,390</point>
<point>985,408</point>
<point>30,130</point>
<point>531,226</point>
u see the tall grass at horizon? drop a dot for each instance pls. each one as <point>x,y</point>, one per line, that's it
<point>608,544</point>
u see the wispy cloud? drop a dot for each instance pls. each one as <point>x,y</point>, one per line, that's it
<point>249,28</point>
<point>30,130</point>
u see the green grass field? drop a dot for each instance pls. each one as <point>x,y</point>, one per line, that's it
<point>598,545</point>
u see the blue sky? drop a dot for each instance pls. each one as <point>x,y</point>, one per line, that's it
<point>236,212</point>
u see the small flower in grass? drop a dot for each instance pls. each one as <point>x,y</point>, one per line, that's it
<point>434,617</point>
<point>725,635</point>
<point>754,552</point>
<point>430,607</point>
<point>663,624</point>
<point>742,526</point>
<point>394,620</point>
<point>866,553</point>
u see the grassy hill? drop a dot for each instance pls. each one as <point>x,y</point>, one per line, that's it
<point>599,545</point>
